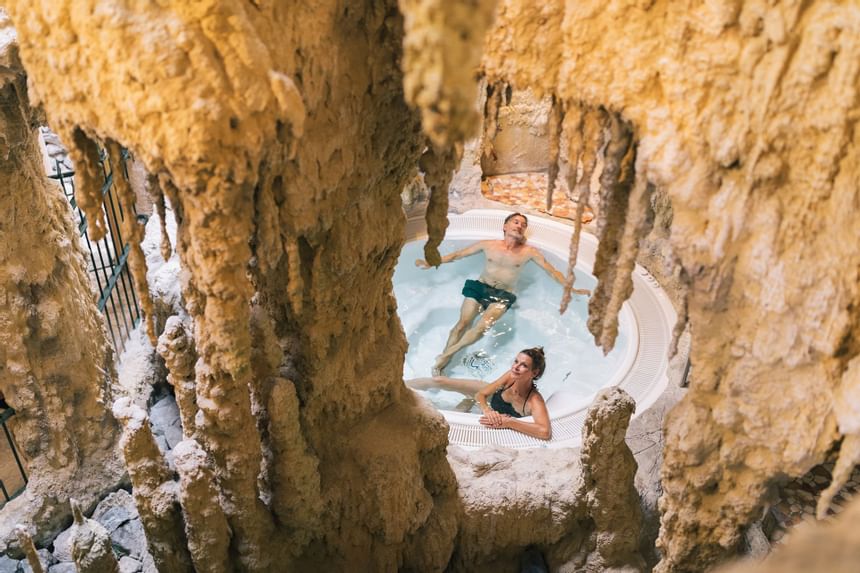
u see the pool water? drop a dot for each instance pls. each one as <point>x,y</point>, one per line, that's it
<point>429,301</point>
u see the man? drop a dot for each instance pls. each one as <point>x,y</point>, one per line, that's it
<point>492,293</point>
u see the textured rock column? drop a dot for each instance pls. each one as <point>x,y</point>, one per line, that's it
<point>176,347</point>
<point>91,546</point>
<point>155,492</point>
<point>608,473</point>
<point>205,523</point>
<point>56,365</point>
<point>282,139</point>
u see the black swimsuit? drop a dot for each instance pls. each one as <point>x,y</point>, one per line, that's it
<point>502,406</point>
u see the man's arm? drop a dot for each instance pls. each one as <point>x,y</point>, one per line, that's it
<point>461,254</point>
<point>541,261</point>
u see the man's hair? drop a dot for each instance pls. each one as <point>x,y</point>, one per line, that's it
<point>538,359</point>
<point>512,215</point>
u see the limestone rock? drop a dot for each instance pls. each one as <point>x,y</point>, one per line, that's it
<point>115,510</point>
<point>55,351</point>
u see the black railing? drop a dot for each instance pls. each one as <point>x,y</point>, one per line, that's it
<point>108,258</point>
<point>13,476</point>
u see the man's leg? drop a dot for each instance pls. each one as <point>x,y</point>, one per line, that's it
<point>468,311</point>
<point>490,316</point>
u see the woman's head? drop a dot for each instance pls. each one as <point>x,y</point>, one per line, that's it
<point>534,359</point>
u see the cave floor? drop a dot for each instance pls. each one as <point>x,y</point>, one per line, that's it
<point>799,497</point>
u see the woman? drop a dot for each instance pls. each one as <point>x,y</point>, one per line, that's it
<point>509,398</point>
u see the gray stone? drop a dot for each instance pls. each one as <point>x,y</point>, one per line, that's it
<point>9,565</point>
<point>148,564</point>
<point>115,510</point>
<point>129,565</point>
<point>45,557</point>
<point>130,539</point>
<point>63,546</point>
<point>164,417</point>
<point>64,567</point>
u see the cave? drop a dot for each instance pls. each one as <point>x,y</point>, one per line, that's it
<point>207,209</point>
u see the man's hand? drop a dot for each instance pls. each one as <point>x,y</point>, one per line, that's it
<point>422,264</point>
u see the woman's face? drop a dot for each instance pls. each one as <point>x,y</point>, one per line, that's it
<point>522,366</point>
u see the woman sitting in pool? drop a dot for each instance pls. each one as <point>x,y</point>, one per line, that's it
<point>512,396</point>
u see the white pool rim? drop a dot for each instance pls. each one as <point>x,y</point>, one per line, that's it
<point>647,319</point>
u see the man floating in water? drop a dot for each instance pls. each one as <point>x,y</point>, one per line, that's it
<point>492,293</point>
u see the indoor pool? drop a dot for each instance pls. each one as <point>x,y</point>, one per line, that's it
<point>428,302</point>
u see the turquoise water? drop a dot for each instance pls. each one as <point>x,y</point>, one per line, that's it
<point>429,302</point>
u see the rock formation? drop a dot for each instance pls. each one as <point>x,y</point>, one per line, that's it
<point>744,114</point>
<point>282,138</point>
<point>218,113</point>
<point>91,547</point>
<point>56,365</point>
<point>608,472</point>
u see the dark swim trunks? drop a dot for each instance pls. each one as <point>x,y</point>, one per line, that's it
<point>487,295</point>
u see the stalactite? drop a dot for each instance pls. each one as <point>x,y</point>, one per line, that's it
<point>295,283</point>
<point>438,167</point>
<point>556,119</point>
<point>585,139</point>
<point>89,178</point>
<point>91,547</point>
<point>26,543</point>
<point>495,93</point>
<point>161,209</point>
<point>205,523</point>
<point>154,489</point>
<point>616,181</point>
<point>176,347</point>
<point>574,141</point>
<point>849,457</point>
<point>640,219</point>
<point>133,233</point>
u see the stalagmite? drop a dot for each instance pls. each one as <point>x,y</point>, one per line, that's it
<point>205,524</point>
<point>91,546</point>
<point>608,473</point>
<point>154,490</point>
<point>176,347</point>
<point>555,121</point>
<point>26,543</point>
<point>438,168</point>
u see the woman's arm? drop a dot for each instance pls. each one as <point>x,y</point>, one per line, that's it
<point>540,428</point>
<point>461,254</point>
<point>487,391</point>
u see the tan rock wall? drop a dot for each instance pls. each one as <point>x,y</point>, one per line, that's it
<point>215,99</point>
<point>745,115</point>
<point>56,365</point>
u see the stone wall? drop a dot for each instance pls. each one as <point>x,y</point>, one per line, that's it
<point>744,113</point>
<point>56,365</point>
<point>282,139</point>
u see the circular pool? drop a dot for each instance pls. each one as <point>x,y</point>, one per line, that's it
<point>429,302</point>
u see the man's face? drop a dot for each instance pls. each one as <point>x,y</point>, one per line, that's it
<point>516,227</point>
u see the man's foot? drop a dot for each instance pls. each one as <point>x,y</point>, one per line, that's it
<point>439,366</point>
